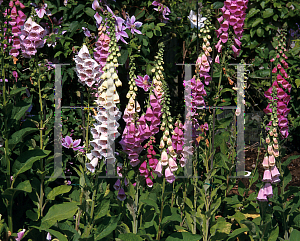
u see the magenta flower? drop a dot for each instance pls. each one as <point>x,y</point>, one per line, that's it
<point>20,235</point>
<point>133,25</point>
<point>143,82</point>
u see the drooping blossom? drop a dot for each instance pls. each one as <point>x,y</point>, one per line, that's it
<point>20,235</point>
<point>161,8</point>
<point>41,9</point>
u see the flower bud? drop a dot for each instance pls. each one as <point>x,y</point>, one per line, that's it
<point>267,140</point>
<point>169,142</point>
<point>275,140</point>
<point>162,144</point>
<point>165,138</point>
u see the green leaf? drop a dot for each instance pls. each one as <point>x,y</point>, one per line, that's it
<point>237,232</point>
<point>297,221</point>
<point>297,82</point>
<point>24,186</point>
<point>149,34</point>
<point>295,235</point>
<point>90,12</point>
<point>55,233</point>
<point>78,8</point>
<point>288,161</point>
<point>21,107</point>
<point>15,91</point>
<point>268,13</point>
<point>139,14</point>
<point>124,55</point>
<point>260,32</point>
<point>218,5</point>
<point>25,161</point>
<point>73,26</point>
<point>175,217</point>
<point>103,232</point>
<point>183,236</point>
<point>102,209</point>
<point>274,234</point>
<point>59,212</point>
<point>130,237</point>
<point>256,22</point>
<point>17,137</point>
<point>151,203</point>
<point>294,51</point>
<point>252,12</point>
<point>145,42</point>
<point>58,190</point>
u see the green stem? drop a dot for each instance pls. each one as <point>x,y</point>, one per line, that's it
<point>161,210</point>
<point>136,202</point>
<point>41,126</point>
<point>195,193</point>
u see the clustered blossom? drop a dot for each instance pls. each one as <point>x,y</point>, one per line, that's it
<point>234,13</point>
<point>203,67</point>
<point>32,35</point>
<point>17,21</point>
<point>281,84</point>
<point>87,69</point>
<point>143,82</point>
<point>162,9</point>
<point>133,25</point>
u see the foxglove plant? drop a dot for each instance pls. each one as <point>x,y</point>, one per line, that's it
<point>234,13</point>
<point>32,35</point>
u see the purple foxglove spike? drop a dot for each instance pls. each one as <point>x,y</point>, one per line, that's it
<point>274,172</point>
<point>275,179</point>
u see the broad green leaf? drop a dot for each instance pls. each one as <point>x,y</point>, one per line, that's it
<point>20,108</point>
<point>274,234</point>
<point>294,51</point>
<point>295,235</point>
<point>102,209</point>
<point>25,161</point>
<point>59,212</point>
<point>15,91</point>
<point>149,34</point>
<point>221,226</point>
<point>260,32</point>
<point>89,11</point>
<point>175,217</point>
<point>103,232</point>
<point>34,216</point>
<point>252,12</point>
<point>23,186</point>
<point>218,5</point>
<point>297,81</point>
<point>183,236</point>
<point>288,161</point>
<point>17,137</point>
<point>151,203</point>
<point>268,13</point>
<point>78,9</point>
<point>237,232</point>
<point>130,237</point>
<point>124,55</point>
<point>73,26</point>
<point>297,221</point>
<point>54,233</point>
<point>139,13</point>
<point>58,190</point>
<point>256,22</point>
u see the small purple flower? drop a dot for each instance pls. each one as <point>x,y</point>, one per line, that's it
<point>41,9</point>
<point>86,32</point>
<point>48,236</point>
<point>69,143</point>
<point>133,25</point>
<point>20,235</point>
<point>143,82</point>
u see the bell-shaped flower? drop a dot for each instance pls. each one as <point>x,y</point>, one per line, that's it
<point>121,194</point>
<point>266,162</point>
<point>149,114</point>
<point>275,179</point>
<point>271,160</point>
<point>117,185</point>
<point>143,167</point>
<point>268,191</point>
<point>261,196</point>
<point>172,164</point>
<point>170,178</point>
<point>149,182</point>
<point>164,158</point>
<point>193,19</point>
<point>134,162</point>
<point>267,176</point>
<point>92,165</point>
<point>152,163</point>
<point>275,172</point>
<point>158,169</point>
